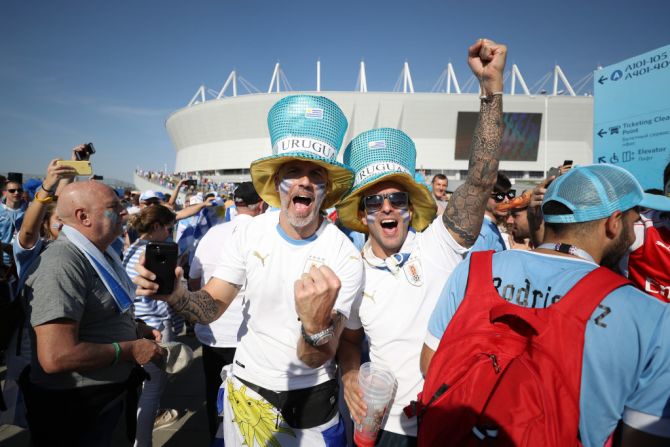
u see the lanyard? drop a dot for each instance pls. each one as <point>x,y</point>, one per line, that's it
<point>569,250</point>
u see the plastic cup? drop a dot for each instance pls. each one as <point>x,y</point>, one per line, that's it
<point>377,385</point>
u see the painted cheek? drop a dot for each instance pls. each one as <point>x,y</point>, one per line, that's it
<point>405,216</point>
<point>285,186</point>
<point>320,190</point>
<point>112,216</point>
<point>370,218</point>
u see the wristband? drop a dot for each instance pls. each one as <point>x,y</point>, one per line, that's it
<point>117,353</point>
<point>50,191</point>
<point>47,199</point>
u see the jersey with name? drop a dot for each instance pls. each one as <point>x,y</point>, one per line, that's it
<point>626,345</point>
<point>648,261</point>
<point>270,262</point>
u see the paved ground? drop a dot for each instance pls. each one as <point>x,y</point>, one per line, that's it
<point>184,392</point>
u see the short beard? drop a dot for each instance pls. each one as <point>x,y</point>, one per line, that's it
<point>302,222</point>
<point>612,257</point>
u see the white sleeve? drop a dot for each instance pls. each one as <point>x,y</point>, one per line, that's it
<point>231,265</point>
<point>349,270</point>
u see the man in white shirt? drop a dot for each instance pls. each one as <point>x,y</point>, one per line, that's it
<point>302,275</point>
<point>219,338</point>
<point>405,271</point>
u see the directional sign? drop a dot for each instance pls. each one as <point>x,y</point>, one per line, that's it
<point>632,116</point>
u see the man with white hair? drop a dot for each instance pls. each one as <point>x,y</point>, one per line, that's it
<point>302,275</point>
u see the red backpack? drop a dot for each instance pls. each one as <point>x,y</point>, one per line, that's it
<point>507,375</point>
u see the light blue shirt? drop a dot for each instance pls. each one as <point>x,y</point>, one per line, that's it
<point>626,362</point>
<point>489,238</point>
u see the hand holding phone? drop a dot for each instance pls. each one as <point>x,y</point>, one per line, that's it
<point>160,258</point>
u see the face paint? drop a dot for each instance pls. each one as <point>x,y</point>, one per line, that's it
<point>405,216</point>
<point>285,186</point>
<point>111,215</point>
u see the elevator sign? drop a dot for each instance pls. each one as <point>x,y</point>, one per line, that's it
<point>632,116</point>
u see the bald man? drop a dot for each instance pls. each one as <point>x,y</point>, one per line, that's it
<point>79,301</point>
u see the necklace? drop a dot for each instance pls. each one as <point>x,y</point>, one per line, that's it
<point>569,250</point>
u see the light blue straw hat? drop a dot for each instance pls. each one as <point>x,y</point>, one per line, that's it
<point>380,155</point>
<point>308,128</point>
<point>596,191</point>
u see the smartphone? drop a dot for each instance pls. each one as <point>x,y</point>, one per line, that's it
<point>191,183</point>
<point>567,162</point>
<point>88,150</point>
<point>160,258</point>
<point>82,167</point>
<point>553,172</point>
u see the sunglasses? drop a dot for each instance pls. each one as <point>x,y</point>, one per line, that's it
<point>12,191</point>
<point>375,202</point>
<point>500,196</point>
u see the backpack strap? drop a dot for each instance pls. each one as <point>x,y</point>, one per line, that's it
<point>584,297</point>
<point>480,274</point>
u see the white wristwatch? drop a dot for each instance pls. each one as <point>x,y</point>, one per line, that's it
<point>320,338</point>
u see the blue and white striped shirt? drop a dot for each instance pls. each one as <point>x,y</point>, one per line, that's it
<point>152,312</point>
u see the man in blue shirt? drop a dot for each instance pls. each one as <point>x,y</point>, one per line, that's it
<point>11,216</point>
<point>589,215</point>
<point>490,237</point>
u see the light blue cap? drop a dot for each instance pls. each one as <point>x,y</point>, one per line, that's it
<point>597,191</point>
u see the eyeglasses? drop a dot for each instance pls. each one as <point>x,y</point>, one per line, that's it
<point>398,200</point>
<point>15,190</point>
<point>500,196</point>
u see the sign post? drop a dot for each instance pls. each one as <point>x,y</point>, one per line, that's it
<point>632,116</point>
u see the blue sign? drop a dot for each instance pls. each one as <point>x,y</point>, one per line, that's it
<point>632,116</point>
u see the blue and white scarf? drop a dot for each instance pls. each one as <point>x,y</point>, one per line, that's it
<point>119,285</point>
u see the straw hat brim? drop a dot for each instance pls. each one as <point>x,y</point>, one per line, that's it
<point>264,169</point>
<point>423,206</point>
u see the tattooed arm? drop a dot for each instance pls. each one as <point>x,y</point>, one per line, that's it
<point>203,306</point>
<point>464,214</point>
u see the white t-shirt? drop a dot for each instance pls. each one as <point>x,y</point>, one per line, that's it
<point>395,308</point>
<point>270,262</point>
<point>227,330</point>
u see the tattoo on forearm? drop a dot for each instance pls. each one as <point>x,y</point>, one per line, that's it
<point>197,307</point>
<point>465,212</point>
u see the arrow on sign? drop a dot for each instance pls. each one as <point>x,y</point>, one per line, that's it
<point>602,132</point>
<point>601,160</point>
<point>602,80</point>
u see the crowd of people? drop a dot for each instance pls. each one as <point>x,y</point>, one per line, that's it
<point>203,183</point>
<point>531,318</point>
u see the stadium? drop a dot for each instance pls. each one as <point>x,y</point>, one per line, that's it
<point>220,136</point>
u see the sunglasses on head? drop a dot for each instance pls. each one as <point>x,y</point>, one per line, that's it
<point>14,190</point>
<point>500,196</point>
<point>375,202</point>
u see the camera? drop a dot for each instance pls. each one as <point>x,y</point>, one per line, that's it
<point>84,154</point>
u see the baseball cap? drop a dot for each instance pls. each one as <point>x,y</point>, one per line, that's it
<point>246,194</point>
<point>596,191</point>
<point>148,195</point>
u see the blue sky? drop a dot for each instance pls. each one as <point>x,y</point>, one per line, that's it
<point>111,72</point>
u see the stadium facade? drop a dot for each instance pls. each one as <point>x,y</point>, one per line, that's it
<point>221,137</point>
